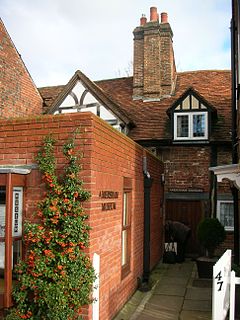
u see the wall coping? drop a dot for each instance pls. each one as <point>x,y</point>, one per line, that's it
<point>18,169</point>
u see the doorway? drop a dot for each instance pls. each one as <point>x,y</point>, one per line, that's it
<point>190,213</point>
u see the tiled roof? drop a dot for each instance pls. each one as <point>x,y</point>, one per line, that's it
<point>150,118</point>
<point>49,95</point>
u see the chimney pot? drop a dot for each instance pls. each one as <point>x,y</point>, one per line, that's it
<point>153,14</point>
<point>143,20</point>
<point>164,17</point>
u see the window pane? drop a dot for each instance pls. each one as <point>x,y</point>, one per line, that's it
<point>182,126</point>
<point>226,214</point>
<point>199,125</point>
<point>125,209</point>
<point>124,247</point>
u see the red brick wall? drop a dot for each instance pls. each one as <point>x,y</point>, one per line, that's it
<point>187,168</point>
<point>224,158</point>
<point>108,157</point>
<point>110,164</point>
<point>18,94</point>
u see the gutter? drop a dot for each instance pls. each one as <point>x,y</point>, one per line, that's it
<point>144,285</point>
<point>234,64</point>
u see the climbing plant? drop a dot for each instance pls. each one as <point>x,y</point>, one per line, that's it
<point>55,279</point>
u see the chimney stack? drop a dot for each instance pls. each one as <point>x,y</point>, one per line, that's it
<point>164,17</point>
<point>143,20</point>
<point>153,14</point>
<point>154,70</point>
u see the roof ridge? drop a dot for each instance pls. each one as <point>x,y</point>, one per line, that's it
<point>111,79</point>
<point>206,70</point>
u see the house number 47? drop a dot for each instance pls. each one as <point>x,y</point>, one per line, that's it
<point>219,282</point>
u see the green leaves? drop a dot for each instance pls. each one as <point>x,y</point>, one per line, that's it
<point>56,277</point>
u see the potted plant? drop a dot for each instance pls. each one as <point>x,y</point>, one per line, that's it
<point>210,233</point>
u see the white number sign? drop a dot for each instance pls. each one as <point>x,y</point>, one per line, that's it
<point>221,287</point>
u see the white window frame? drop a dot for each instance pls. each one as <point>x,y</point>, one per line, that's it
<point>190,125</point>
<point>219,202</point>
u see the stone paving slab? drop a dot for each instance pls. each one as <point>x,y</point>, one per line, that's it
<point>164,303</point>
<point>130,307</point>
<point>126,312</point>
<point>193,315</point>
<point>156,315</point>
<point>199,294</point>
<point>181,281</point>
<point>170,290</point>
<point>137,298</point>
<point>179,270</point>
<point>197,305</point>
<point>202,283</point>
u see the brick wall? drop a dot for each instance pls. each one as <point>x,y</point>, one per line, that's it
<point>187,168</point>
<point>108,158</point>
<point>224,158</point>
<point>18,94</point>
<point>109,165</point>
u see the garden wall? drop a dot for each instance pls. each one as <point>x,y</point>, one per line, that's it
<point>111,162</point>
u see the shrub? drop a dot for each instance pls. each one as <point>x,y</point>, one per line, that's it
<point>55,279</point>
<point>210,233</point>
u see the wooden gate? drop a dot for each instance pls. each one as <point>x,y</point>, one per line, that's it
<point>189,213</point>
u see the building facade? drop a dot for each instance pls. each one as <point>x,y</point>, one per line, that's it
<point>159,129</point>
<point>184,118</point>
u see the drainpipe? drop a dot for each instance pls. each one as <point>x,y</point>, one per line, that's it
<point>234,131</point>
<point>146,241</point>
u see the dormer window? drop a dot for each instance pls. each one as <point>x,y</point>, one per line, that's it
<point>190,116</point>
<point>190,125</point>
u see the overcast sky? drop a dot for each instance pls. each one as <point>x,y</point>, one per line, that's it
<point>57,37</point>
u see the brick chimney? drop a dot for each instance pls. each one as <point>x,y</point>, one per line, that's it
<point>154,70</point>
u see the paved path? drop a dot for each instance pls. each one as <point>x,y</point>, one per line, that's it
<point>177,294</point>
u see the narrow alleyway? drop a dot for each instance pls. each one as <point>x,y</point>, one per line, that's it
<point>177,294</point>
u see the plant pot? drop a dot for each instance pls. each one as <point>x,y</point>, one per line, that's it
<point>205,267</point>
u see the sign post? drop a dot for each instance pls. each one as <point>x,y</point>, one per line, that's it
<point>221,286</point>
